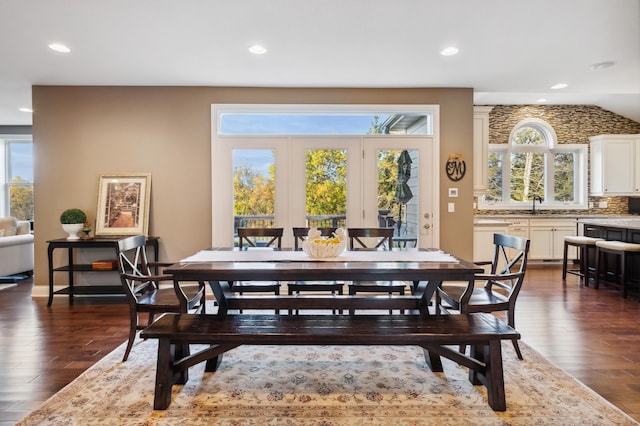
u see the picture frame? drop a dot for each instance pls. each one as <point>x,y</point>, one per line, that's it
<point>123,204</point>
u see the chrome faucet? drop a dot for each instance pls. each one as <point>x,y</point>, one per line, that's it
<point>536,198</point>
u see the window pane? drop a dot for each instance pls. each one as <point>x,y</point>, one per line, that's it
<point>21,201</point>
<point>251,123</point>
<point>20,168</point>
<point>564,184</point>
<point>326,187</point>
<point>494,194</point>
<point>529,136</point>
<point>253,188</point>
<point>527,176</point>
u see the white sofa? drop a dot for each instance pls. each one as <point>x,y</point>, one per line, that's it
<point>16,247</point>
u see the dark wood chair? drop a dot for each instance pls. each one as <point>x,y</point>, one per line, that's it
<point>502,283</point>
<point>143,291</point>
<point>296,287</point>
<point>373,239</point>
<point>258,237</point>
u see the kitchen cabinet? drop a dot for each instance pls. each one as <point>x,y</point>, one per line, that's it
<point>615,165</point>
<point>483,238</point>
<point>519,228</point>
<point>480,149</point>
<point>547,238</point>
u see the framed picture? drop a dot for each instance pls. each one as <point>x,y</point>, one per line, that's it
<point>123,204</point>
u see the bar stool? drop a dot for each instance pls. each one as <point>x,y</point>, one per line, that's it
<point>619,249</point>
<point>583,245</point>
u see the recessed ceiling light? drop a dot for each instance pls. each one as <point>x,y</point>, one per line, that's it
<point>541,100</point>
<point>559,86</point>
<point>59,47</point>
<point>448,51</point>
<point>257,49</point>
<point>25,109</point>
<point>602,65</point>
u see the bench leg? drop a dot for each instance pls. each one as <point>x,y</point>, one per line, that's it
<point>164,375</point>
<point>180,352</point>
<point>433,361</point>
<point>491,355</point>
<point>212,364</point>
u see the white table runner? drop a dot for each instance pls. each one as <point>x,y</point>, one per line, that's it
<point>268,255</point>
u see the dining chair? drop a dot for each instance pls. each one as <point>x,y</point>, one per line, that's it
<point>373,239</point>
<point>143,290</point>
<point>502,283</point>
<point>296,287</point>
<point>249,238</point>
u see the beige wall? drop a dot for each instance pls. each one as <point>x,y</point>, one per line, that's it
<point>82,132</point>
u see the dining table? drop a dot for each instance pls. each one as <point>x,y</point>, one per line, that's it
<point>423,269</point>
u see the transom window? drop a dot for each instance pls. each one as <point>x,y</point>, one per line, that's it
<point>534,165</point>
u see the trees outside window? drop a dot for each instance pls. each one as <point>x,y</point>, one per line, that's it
<point>534,164</point>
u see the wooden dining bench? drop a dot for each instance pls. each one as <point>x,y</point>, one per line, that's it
<point>482,332</point>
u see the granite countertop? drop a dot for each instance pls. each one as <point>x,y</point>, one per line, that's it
<point>490,222</point>
<point>507,217</point>
<point>627,223</point>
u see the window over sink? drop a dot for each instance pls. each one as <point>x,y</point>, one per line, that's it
<point>533,165</point>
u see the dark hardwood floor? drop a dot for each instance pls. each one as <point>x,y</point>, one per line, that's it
<point>592,334</point>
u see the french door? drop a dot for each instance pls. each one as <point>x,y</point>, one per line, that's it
<point>350,169</point>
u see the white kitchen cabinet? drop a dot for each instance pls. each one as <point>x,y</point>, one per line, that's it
<point>480,149</point>
<point>547,238</point>
<point>615,165</point>
<point>483,238</point>
<point>519,228</point>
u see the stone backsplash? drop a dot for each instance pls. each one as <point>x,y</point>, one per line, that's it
<point>573,124</point>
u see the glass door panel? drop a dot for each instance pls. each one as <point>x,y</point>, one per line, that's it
<point>398,191</point>
<point>326,187</point>
<point>253,189</point>
<point>331,188</point>
<point>399,197</point>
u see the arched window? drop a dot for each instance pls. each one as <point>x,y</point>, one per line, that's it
<point>534,165</point>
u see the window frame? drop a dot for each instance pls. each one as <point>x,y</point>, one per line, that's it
<point>549,150</point>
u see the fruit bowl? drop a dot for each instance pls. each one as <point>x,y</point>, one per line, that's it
<point>317,246</point>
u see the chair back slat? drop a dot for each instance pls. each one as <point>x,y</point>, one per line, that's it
<point>360,238</point>
<point>260,237</point>
<point>300,234</point>
<point>134,267</point>
<point>509,264</point>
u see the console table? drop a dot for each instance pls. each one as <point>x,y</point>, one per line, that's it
<point>72,267</point>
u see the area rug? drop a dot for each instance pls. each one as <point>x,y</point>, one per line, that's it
<point>324,385</point>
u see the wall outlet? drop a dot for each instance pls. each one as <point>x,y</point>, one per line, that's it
<point>451,207</point>
<point>603,204</point>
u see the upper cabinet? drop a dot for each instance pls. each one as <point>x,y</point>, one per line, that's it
<point>480,149</point>
<point>615,165</point>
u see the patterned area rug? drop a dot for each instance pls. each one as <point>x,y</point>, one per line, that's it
<point>326,385</point>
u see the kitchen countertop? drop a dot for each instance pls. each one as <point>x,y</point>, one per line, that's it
<point>507,217</point>
<point>627,223</point>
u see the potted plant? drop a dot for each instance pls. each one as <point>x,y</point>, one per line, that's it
<point>72,221</point>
